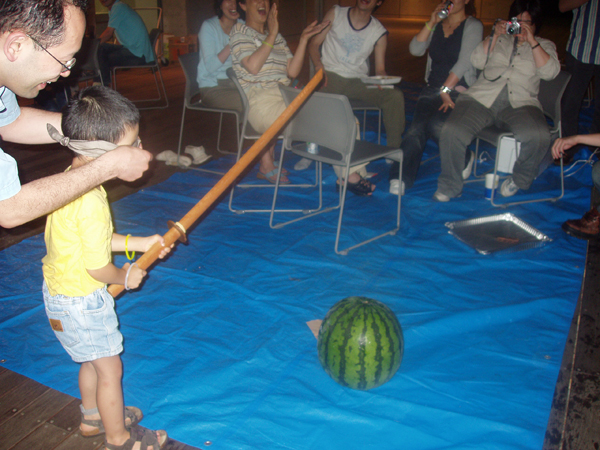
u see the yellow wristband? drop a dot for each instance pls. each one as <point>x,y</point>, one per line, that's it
<point>266,43</point>
<point>427,26</point>
<point>126,252</point>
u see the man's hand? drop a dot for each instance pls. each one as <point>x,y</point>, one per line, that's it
<point>129,163</point>
<point>562,144</point>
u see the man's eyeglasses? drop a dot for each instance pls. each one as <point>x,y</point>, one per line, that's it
<point>67,66</point>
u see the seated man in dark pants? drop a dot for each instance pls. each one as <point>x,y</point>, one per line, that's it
<point>136,49</point>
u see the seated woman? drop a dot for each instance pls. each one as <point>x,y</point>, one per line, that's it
<point>216,90</point>
<point>506,92</point>
<point>449,71</point>
<point>262,61</point>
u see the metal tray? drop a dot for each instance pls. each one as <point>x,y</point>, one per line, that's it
<point>497,233</point>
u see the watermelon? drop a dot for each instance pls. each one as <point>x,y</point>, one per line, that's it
<point>360,343</point>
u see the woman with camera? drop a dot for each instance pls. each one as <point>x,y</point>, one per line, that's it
<point>451,34</point>
<point>513,60</point>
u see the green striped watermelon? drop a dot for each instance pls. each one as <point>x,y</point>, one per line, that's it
<point>360,343</point>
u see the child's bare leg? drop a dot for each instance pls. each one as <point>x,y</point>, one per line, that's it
<point>109,398</point>
<point>88,382</point>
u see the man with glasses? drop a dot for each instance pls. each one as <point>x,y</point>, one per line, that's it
<point>38,41</point>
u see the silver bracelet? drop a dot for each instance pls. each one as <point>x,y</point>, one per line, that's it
<point>127,275</point>
<point>445,89</point>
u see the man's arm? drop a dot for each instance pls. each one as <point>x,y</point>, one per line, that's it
<point>107,35</point>
<point>568,5</point>
<point>314,46</point>
<point>43,196</point>
<point>30,127</point>
<point>379,52</point>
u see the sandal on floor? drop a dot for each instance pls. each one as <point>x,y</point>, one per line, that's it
<point>271,177</point>
<point>361,188</point>
<point>131,412</point>
<point>144,436</point>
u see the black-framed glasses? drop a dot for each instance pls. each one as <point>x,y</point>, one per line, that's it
<point>67,66</point>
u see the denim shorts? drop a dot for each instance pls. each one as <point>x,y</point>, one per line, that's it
<point>87,327</point>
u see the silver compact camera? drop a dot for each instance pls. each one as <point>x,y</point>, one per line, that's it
<point>513,26</point>
<point>445,11</point>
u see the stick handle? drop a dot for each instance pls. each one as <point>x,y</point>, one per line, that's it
<point>148,258</point>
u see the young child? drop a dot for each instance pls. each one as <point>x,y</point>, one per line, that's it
<point>79,241</point>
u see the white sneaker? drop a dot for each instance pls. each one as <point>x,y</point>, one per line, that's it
<point>439,197</point>
<point>508,188</point>
<point>466,173</point>
<point>303,164</point>
<point>395,187</point>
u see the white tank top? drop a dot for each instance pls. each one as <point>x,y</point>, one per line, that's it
<point>346,50</point>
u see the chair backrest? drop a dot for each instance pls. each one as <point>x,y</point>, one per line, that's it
<point>325,119</point>
<point>87,56</point>
<point>154,35</point>
<point>245,105</point>
<point>189,64</point>
<point>550,95</point>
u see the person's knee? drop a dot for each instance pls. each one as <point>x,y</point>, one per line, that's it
<point>596,176</point>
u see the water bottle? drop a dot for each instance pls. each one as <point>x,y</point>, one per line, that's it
<point>445,11</point>
<point>312,148</point>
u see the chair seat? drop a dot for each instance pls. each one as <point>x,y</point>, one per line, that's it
<point>363,153</point>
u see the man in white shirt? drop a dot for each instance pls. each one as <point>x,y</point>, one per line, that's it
<point>347,44</point>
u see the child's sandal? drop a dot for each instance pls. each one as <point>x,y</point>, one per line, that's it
<point>131,412</point>
<point>144,436</point>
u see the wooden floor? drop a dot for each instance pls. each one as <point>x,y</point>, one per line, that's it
<point>33,416</point>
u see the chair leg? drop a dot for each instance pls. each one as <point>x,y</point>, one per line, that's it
<point>546,199</point>
<point>360,244</point>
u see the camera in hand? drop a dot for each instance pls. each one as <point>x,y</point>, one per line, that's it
<point>445,10</point>
<point>513,27</point>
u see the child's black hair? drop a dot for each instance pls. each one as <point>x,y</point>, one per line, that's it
<point>98,113</point>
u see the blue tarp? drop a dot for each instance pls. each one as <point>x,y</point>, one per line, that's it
<point>217,347</point>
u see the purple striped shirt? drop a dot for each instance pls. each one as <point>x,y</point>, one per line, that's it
<point>585,33</point>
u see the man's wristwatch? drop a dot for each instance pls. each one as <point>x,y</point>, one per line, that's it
<point>445,89</point>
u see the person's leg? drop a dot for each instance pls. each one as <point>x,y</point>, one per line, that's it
<point>581,75</point>
<point>88,383</point>
<point>466,120</point>
<point>531,129</point>
<point>225,96</point>
<point>391,102</point>
<point>596,176</point>
<point>595,128</point>
<point>413,143</point>
<point>109,398</point>
<point>266,105</point>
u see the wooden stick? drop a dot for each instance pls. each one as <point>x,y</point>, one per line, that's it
<point>179,229</point>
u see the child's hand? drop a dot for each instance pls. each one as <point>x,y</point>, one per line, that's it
<point>136,275</point>
<point>151,240</point>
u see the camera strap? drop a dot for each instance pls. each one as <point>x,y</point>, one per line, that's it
<point>512,56</point>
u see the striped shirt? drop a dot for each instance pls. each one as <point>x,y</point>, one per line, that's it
<point>585,33</point>
<point>244,41</point>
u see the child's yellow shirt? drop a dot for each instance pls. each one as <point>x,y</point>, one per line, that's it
<point>78,237</point>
